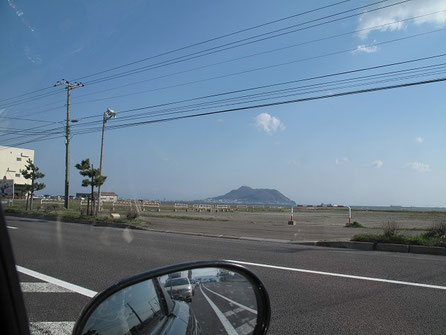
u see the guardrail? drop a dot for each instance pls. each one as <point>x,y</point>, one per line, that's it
<point>223,208</point>
<point>202,207</point>
<point>51,201</point>
<point>179,206</point>
<point>150,205</point>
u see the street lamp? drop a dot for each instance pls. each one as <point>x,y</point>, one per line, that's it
<point>108,114</point>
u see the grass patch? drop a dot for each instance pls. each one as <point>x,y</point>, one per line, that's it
<point>421,239</point>
<point>354,224</point>
<point>402,229</point>
<point>67,215</point>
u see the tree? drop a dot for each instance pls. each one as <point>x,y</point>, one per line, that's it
<point>32,173</point>
<point>94,179</point>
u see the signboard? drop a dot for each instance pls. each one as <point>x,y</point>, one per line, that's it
<point>7,187</point>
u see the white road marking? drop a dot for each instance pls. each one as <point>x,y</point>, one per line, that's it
<point>232,301</point>
<point>245,329</point>
<point>233,312</point>
<point>11,227</point>
<point>46,328</point>
<point>225,322</point>
<point>332,274</point>
<point>58,282</point>
<point>42,288</point>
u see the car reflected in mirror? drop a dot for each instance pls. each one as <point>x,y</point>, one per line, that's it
<point>194,298</point>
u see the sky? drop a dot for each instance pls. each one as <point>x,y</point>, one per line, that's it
<point>380,148</point>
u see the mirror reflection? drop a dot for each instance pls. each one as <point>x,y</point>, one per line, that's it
<point>195,301</point>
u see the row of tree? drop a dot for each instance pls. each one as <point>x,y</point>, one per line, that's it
<point>94,179</point>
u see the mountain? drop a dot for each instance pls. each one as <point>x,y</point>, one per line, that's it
<point>253,196</point>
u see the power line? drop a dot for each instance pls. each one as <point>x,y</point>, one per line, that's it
<point>375,89</point>
<point>230,45</point>
<point>257,100</point>
<point>320,97</point>
<point>190,46</point>
<point>26,93</point>
<point>31,99</point>
<point>261,53</point>
<point>324,85</point>
<point>209,104</point>
<point>261,68</point>
<point>326,96</point>
<point>24,119</point>
<point>114,76</point>
<point>214,39</point>
<point>324,76</point>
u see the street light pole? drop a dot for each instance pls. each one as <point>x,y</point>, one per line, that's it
<point>108,114</point>
<point>68,86</point>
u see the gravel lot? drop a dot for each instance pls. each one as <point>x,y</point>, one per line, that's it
<point>311,225</point>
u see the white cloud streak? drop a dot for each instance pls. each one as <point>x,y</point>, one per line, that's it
<point>419,139</point>
<point>378,164</point>
<point>344,160</point>
<point>401,12</point>
<point>418,166</point>
<point>268,123</point>
<point>365,49</point>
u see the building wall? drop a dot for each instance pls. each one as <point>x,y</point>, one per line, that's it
<point>12,160</point>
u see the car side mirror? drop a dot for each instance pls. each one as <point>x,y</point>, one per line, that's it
<point>191,298</point>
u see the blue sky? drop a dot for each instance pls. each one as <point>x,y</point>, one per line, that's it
<point>384,148</point>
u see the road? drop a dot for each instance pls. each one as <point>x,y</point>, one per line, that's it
<point>313,290</point>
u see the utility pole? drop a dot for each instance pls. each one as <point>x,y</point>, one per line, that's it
<point>108,114</point>
<point>68,86</point>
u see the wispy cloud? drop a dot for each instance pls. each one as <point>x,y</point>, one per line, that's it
<point>365,49</point>
<point>378,164</point>
<point>3,122</point>
<point>418,166</point>
<point>268,123</point>
<point>401,12</point>
<point>342,160</point>
<point>419,139</point>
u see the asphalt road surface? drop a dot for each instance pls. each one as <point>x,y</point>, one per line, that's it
<point>313,290</point>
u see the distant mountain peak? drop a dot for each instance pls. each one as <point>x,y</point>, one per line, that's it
<point>253,196</point>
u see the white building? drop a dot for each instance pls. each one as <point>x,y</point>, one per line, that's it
<point>12,160</point>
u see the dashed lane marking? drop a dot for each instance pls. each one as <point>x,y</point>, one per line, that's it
<point>232,301</point>
<point>12,227</point>
<point>34,287</point>
<point>233,312</point>
<point>224,321</point>
<point>71,287</point>
<point>47,328</point>
<point>246,328</point>
<point>333,274</point>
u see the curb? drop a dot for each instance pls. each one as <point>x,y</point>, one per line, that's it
<point>421,249</point>
<point>391,247</point>
<point>77,221</point>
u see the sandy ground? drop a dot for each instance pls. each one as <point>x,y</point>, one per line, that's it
<point>311,225</point>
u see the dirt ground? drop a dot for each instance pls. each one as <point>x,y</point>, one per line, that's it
<point>311,225</point>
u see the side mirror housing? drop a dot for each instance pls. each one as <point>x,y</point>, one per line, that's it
<point>188,298</point>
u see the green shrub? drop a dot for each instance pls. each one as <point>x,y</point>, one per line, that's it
<point>421,239</point>
<point>438,230</point>
<point>132,214</point>
<point>354,224</point>
<point>390,228</point>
